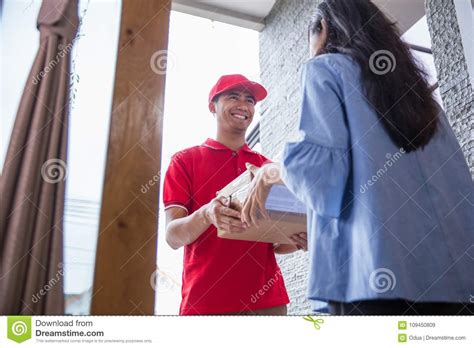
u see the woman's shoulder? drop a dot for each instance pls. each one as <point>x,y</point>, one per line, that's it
<point>340,63</point>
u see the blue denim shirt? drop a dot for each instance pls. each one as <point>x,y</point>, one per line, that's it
<point>382,223</point>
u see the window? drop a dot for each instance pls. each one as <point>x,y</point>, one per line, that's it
<point>92,73</point>
<point>418,37</point>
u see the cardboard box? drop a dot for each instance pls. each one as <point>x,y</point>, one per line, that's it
<point>287,213</point>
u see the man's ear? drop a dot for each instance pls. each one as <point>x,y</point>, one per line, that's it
<point>212,107</point>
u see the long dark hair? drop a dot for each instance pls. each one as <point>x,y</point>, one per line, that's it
<point>394,83</point>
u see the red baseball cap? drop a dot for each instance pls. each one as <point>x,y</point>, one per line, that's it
<point>228,82</point>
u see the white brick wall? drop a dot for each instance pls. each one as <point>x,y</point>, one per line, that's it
<point>453,76</point>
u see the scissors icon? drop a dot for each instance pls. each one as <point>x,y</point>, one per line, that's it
<point>316,322</point>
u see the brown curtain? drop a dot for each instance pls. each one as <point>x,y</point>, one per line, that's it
<point>34,174</point>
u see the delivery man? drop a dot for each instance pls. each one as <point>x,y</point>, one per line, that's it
<point>222,276</point>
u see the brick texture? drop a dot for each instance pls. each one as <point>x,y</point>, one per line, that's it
<point>453,76</point>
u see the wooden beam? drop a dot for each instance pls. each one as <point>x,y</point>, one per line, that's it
<point>127,244</point>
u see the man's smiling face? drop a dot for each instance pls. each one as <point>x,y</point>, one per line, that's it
<point>234,110</point>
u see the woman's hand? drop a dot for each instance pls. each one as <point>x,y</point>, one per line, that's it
<point>263,179</point>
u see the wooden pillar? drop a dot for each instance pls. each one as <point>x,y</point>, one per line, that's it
<point>127,242</point>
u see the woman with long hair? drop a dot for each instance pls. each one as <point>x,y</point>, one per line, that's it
<point>388,191</point>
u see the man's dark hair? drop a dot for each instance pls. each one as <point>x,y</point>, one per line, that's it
<point>216,97</point>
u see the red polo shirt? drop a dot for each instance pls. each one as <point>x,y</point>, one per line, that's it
<point>220,275</point>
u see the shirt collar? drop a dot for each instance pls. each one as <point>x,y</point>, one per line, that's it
<point>214,144</point>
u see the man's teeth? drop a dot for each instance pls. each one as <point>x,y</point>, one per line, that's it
<point>242,117</point>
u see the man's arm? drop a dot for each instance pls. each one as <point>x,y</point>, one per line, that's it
<point>300,240</point>
<point>284,248</point>
<point>182,229</point>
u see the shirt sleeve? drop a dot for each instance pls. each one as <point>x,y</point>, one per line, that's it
<point>177,185</point>
<point>265,160</point>
<point>316,168</point>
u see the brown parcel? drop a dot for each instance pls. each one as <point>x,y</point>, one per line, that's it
<point>277,229</point>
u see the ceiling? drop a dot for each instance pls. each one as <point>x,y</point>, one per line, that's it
<point>251,13</point>
<point>256,8</point>
<point>244,13</point>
